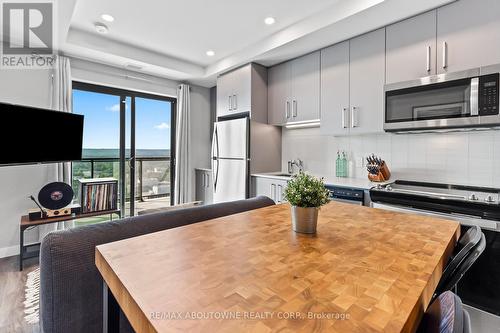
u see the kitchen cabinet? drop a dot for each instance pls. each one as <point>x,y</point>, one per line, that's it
<point>273,188</point>
<point>278,105</point>
<point>243,90</point>
<point>468,34</point>
<point>204,189</point>
<point>294,90</point>
<point>367,80</point>
<point>411,48</point>
<point>352,85</point>
<point>335,89</point>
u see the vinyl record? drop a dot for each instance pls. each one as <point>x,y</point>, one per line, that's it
<point>55,195</point>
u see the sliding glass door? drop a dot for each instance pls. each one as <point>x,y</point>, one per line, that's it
<point>128,136</point>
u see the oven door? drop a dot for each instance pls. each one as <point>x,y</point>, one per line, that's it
<point>441,101</point>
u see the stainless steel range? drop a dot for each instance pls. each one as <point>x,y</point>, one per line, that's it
<point>480,287</point>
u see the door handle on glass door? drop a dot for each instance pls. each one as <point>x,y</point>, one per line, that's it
<point>354,117</point>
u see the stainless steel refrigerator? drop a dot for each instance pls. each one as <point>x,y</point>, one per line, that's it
<point>241,147</point>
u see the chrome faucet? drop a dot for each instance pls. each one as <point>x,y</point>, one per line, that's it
<point>298,163</point>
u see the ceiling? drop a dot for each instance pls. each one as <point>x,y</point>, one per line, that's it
<point>170,38</point>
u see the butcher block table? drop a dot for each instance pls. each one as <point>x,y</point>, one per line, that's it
<point>366,270</point>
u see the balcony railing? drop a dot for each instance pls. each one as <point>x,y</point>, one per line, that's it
<point>152,174</point>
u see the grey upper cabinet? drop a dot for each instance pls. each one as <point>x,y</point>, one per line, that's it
<point>411,48</point>
<point>367,80</point>
<point>243,90</point>
<point>335,89</point>
<point>293,90</point>
<point>352,86</point>
<point>468,35</point>
<point>305,89</point>
<point>278,105</point>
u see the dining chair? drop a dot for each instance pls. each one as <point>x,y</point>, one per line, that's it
<point>445,315</point>
<point>466,253</point>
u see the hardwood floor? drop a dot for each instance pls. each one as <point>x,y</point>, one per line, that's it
<point>12,296</point>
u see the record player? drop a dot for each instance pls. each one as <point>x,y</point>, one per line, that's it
<point>54,199</point>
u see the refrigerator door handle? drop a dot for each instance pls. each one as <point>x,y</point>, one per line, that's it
<point>216,157</point>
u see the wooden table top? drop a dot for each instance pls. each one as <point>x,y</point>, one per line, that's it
<point>366,270</point>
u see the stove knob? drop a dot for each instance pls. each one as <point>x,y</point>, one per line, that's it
<point>388,188</point>
<point>379,186</point>
<point>489,198</point>
<point>473,197</point>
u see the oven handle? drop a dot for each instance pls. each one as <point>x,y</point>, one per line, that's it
<point>461,218</point>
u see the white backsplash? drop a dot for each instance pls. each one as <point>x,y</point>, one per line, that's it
<point>469,158</point>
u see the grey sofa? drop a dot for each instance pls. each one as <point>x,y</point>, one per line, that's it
<point>70,284</point>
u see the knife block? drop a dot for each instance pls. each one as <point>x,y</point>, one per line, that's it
<point>383,175</point>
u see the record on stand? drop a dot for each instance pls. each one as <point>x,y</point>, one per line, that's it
<point>55,195</point>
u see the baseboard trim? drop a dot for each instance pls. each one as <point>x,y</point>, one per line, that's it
<point>9,251</point>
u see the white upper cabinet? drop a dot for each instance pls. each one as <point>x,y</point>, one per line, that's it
<point>243,90</point>
<point>411,48</point>
<point>367,80</point>
<point>293,90</point>
<point>335,89</point>
<point>468,35</point>
<point>278,104</point>
<point>305,89</point>
<point>352,86</point>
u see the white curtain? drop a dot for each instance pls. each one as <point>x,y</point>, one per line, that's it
<point>182,167</point>
<point>61,100</point>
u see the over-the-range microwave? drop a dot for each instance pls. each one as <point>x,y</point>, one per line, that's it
<point>462,100</point>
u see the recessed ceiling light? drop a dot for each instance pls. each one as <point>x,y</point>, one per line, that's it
<point>101,28</point>
<point>269,20</point>
<point>210,53</point>
<point>107,17</point>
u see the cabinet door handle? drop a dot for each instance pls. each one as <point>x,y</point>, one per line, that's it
<point>280,193</point>
<point>230,103</point>
<point>445,55</point>
<point>344,117</point>
<point>273,192</point>
<point>287,109</point>
<point>354,117</point>
<point>235,100</point>
<point>294,108</point>
<point>428,59</point>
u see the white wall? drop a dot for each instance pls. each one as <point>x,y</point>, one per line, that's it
<point>32,87</point>
<point>28,87</point>
<point>470,158</point>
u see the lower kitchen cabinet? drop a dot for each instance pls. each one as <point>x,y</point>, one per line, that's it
<point>204,186</point>
<point>270,187</point>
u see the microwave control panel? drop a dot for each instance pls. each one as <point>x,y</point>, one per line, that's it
<point>488,95</point>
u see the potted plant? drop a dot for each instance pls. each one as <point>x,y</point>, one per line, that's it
<point>306,194</point>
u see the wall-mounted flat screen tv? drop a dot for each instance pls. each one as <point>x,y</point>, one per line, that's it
<point>30,135</point>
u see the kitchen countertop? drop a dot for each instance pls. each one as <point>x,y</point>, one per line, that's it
<point>359,183</point>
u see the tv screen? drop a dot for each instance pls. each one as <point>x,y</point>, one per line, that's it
<point>30,135</point>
